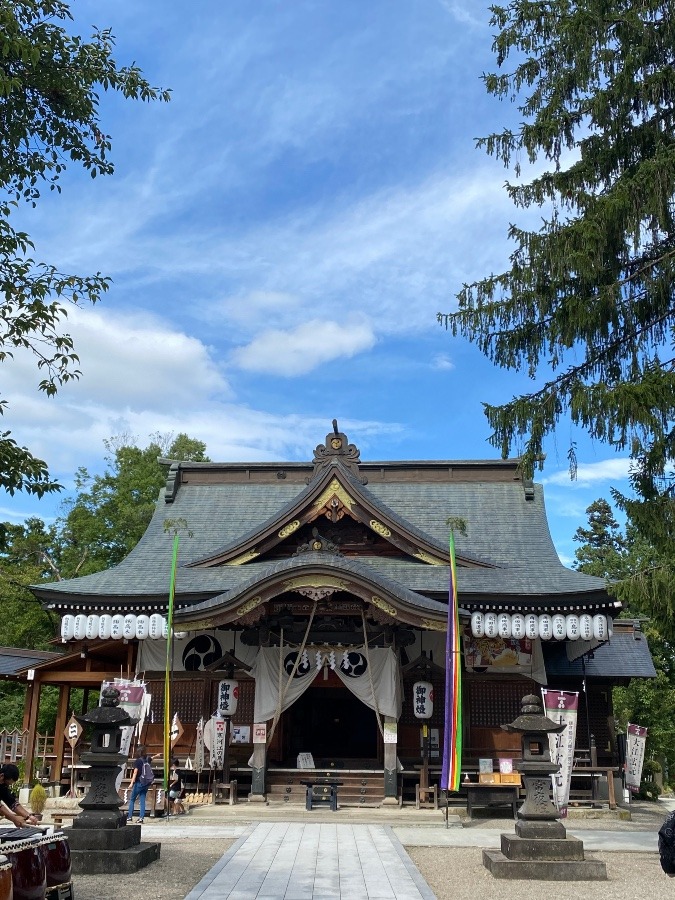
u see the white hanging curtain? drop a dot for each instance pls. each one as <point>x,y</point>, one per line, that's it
<point>265,670</point>
<point>352,669</point>
<point>351,666</point>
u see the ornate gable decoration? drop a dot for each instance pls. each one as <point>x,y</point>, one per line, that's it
<point>337,449</point>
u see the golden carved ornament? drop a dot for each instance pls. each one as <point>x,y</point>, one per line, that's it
<point>380,528</point>
<point>432,625</point>
<point>249,605</point>
<point>244,558</point>
<point>428,558</point>
<point>384,605</point>
<point>290,528</point>
<point>316,581</point>
<point>334,489</point>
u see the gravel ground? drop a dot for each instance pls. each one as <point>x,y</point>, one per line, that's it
<point>181,866</point>
<point>452,873</point>
<point>458,874</point>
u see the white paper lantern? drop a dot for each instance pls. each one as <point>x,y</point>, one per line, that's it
<point>423,699</point>
<point>180,635</point>
<point>92,627</point>
<point>532,626</point>
<point>504,625</point>
<point>117,627</point>
<point>491,626</point>
<point>156,626</point>
<point>80,630</point>
<point>142,627</point>
<point>68,627</point>
<point>228,695</point>
<point>600,627</point>
<point>572,627</point>
<point>477,624</point>
<point>518,626</point>
<point>545,627</point>
<point>129,627</point>
<point>165,629</point>
<point>559,627</point>
<point>105,627</point>
<point>585,627</point>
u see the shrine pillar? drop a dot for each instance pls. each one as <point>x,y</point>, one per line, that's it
<point>390,756</point>
<point>258,777</point>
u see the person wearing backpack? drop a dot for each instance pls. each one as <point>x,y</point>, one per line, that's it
<point>141,779</point>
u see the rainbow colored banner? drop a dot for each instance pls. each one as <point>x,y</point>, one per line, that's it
<point>452,737</point>
<point>169,665</point>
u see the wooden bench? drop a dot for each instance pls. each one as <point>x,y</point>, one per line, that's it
<point>491,795</point>
<point>57,816</point>
<point>225,791</point>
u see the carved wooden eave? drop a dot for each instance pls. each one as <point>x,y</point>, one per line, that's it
<point>334,494</point>
<point>321,577</point>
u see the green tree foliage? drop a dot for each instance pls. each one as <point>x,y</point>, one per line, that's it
<point>50,84</point>
<point>24,560</point>
<point>588,294</point>
<point>607,552</point>
<point>603,546</point>
<point>109,513</point>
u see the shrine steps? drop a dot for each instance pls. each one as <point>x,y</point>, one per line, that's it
<point>363,788</point>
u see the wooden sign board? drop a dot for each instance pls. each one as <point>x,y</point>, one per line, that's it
<point>73,731</point>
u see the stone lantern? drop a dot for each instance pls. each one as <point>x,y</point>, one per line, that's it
<point>540,848</point>
<point>100,840</point>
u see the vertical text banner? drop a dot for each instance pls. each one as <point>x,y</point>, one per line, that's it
<point>635,756</point>
<point>562,707</point>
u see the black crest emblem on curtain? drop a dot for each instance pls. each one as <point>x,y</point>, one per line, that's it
<point>200,652</point>
<point>354,664</point>
<point>289,662</point>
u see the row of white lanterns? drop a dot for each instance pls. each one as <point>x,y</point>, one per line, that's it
<point>119,627</point>
<point>529,625</point>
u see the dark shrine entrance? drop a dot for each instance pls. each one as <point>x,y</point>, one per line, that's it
<point>331,724</point>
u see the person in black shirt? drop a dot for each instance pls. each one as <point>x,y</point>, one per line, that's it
<point>176,789</point>
<point>10,807</point>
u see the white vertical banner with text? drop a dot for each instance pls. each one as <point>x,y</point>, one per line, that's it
<point>562,707</point>
<point>635,756</point>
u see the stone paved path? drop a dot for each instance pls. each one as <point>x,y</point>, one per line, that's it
<point>296,861</point>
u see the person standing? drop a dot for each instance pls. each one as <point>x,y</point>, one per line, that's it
<point>176,789</point>
<point>10,807</point>
<point>141,779</point>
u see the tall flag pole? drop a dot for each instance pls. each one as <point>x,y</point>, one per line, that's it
<point>167,675</point>
<point>452,744</point>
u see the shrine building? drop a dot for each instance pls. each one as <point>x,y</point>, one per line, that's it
<point>322,589</point>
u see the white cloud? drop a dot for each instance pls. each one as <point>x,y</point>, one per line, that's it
<point>442,362</point>
<point>607,470</point>
<point>301,349</point>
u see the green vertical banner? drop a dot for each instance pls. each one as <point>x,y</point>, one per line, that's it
<point>167,674</point>
<point>452,733</point>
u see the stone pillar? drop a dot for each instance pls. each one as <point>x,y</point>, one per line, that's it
<point>390,773</point>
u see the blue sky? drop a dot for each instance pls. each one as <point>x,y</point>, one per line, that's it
<point>280,238</point>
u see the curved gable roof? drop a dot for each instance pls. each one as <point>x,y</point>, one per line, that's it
<point>336,490</point>
<point>316,570</point>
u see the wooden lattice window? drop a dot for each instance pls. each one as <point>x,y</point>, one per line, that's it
<point>187,700</point>
<point>495,703</point>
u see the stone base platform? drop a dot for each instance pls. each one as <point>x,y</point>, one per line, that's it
<point>114,862</point>
<point>109,851</point>
<point>544,869</point>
